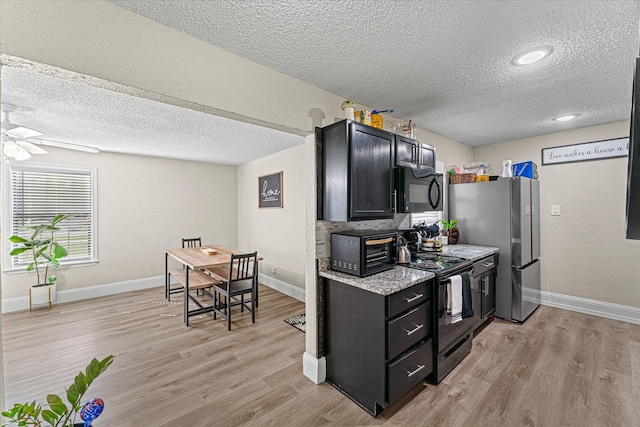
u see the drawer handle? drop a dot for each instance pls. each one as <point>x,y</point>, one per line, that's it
<point>487,264</point>
<point>409,332</point>
<point>415,297</point>
<point>410,374</point>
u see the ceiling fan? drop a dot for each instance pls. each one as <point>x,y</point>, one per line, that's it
<point>20,142</point>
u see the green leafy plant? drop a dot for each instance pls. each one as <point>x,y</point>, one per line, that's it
<point>59,413</point>
<point>447,225</point>
<point>45,251</point>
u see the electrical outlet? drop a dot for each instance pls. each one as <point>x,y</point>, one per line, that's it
<point>274,271</point>
<point>555,210</point>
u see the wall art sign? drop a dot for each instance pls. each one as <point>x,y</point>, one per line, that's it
<point>270,190</point>
<point>597,150</point>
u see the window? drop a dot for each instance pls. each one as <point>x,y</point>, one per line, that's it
<point>38,193</point>
<point>427,217</point>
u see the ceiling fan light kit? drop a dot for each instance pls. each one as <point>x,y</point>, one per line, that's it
<point>19,142</point>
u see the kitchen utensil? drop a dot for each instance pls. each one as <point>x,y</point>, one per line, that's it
<point>404,255</point>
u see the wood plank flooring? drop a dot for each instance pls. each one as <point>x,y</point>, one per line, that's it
<point>559,368</point>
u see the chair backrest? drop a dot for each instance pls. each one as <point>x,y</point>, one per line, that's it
<point>191,242</point>
<point>244,267</point>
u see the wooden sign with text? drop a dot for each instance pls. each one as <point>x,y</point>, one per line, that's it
<point>597,150</point>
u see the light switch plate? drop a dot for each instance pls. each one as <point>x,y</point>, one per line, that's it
<point>555,210</point>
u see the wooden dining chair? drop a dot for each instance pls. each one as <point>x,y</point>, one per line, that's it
<point>190,242</point>
<point>240,278</point>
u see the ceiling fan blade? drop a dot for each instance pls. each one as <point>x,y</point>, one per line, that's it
<point>12,149</point>
<point>19,132</point>
<point>70,146</point>
<point>32,148</point>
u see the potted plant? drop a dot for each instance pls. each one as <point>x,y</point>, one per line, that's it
<point>451,230</point>
<point>43,249</point>
<point>59,414</point>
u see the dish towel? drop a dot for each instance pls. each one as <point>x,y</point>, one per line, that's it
<point>467,303</point>
<point>456,298</point>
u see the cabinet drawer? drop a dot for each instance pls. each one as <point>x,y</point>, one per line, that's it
<point>408,329</point>
<point>485,264</point>
<point>409,370</point>
<point>408,298</point>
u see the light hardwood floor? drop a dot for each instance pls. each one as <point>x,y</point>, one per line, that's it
<point>559,368</point>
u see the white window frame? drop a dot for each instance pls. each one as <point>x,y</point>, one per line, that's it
<point>8,210</point>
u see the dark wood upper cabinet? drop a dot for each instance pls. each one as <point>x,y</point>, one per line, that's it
<point>357,172</point>
<point>414,154</point>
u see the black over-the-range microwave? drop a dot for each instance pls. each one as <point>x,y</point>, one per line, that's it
<point>363,252</point>
<point>418,187</point>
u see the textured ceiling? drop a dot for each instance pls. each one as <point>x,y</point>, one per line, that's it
<point>446,65</point>
<point>116,122</point>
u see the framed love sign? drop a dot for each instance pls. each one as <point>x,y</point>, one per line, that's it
<point>270,190</point>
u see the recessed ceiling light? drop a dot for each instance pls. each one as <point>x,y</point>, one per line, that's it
<point>566,118</point>
<point>532,55</point>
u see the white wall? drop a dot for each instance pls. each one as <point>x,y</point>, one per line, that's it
<point>277,234</point>
<point>584,252</point>
<point>144,206</point>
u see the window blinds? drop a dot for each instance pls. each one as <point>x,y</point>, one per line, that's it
<point>38,194</point>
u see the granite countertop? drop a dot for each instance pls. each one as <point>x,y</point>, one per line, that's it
<point>385,283</point>
<point>469,252</point>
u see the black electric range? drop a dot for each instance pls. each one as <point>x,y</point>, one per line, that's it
<point>441,265</point>
<point>452,341</point>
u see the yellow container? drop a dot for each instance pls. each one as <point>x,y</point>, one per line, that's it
<point>377,121</point>
<point>482,178</point>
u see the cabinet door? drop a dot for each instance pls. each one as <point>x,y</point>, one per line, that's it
<point>406,152</point>
<point>371,175</point>
<point>489,294</point>
<point>427,157</point>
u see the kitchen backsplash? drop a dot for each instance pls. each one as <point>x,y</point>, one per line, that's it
<point>325,228</point>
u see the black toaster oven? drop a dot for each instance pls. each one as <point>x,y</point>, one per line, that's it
<point>363,252</point>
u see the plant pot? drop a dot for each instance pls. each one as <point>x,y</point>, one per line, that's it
<point>42,294</point>
<point>454,235</point>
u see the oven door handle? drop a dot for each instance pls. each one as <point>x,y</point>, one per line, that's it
<point>378,241</point>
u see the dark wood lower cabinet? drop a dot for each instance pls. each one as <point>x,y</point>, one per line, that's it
<point>377,347</point>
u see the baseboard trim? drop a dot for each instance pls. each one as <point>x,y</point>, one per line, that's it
<point>314,369</point>
<point>283,287</point>
<point>22,303</point>
<point>68,295</point>
<point>593,307</point>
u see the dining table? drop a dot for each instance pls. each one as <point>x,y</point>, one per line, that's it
<point>194,260</point>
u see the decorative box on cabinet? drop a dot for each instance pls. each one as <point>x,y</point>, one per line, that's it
<point>357,172</point>
<point>377,347</point>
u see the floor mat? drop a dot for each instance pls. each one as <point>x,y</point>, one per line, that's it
<point>298,322</point>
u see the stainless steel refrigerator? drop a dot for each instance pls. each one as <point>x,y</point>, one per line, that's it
<point>504,214</point>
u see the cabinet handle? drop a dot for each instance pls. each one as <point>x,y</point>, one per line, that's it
<point>409,332</point>
<point>412,373</point>
<point>415,297</point>
<point>395,203</point>
<point>487,264</point>
<point>485,283</point>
